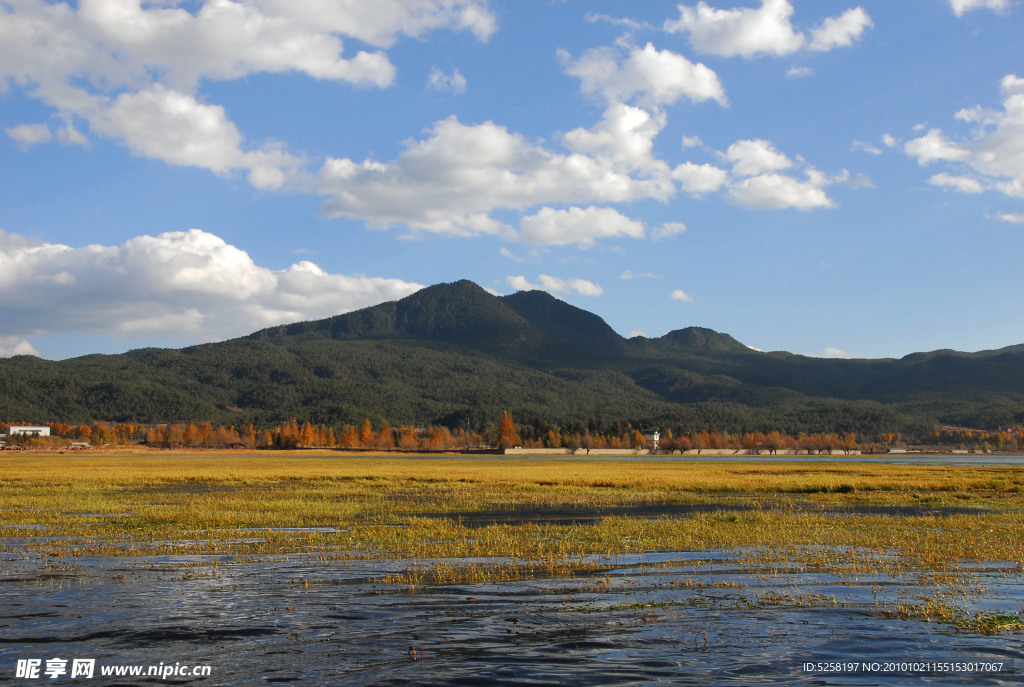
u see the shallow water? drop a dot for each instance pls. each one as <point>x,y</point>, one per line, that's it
<point>666,618</point>
<point>576,515</point>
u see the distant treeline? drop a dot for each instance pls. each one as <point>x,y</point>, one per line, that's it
<point>506,433</point>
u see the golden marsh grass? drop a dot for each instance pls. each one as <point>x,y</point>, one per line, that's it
<point>437,514</point>
<point>121,505</point>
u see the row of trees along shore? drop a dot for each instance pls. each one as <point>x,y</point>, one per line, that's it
<point>505,434</point>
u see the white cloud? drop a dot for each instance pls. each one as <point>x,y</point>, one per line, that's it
<point>776,191</point>
<point>594,17</point>
<point>667,229</point>
<point>636,332</point>
<point>962,184</point>
<point>625,136</point>
<point>454,83</point>
<point>680,295</point>
<point>840,32</point>
<point>382,22</point>
<point>28,135</point>
<point>865,147</point>
<point>993,155</point>
<point>1016,218</point>
<point>692,142</point>
<point>450,181</point>
<point>756,181</point>
<point>647,76</point>
<point>69,135</point>
<point>115,44</point>
<point>699,179</point>
<point>174,127</point>
<point>755,157</point>
<point>577,225</point>
<point>766,30</point>
<point>890,141</point>
<point>835,353</point>
<point>934,146</point>
<point>12,345</point>
<point>132,70</point>
<point>799,72</point>
<point>960,7</point>
<point>556,285</point>
<point>629,274</point>
<point>184,286</point>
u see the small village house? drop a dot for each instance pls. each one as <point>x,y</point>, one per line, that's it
<point>28,430</point>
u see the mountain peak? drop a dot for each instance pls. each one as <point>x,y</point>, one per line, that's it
<point>704,341</point>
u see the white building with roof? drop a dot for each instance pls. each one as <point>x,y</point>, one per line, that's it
<point>28,430</point>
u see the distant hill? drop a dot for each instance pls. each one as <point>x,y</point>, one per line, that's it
<point>455,354</point>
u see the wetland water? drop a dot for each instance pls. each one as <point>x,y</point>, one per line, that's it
<point>659,618</point>
<point>821,615</point>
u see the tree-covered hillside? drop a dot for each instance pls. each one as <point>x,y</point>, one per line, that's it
<point>456,355</point>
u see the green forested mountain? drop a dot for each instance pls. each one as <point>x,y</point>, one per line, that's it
<point>454,354</point>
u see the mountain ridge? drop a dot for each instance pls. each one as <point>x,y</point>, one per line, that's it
<point>455,353</point>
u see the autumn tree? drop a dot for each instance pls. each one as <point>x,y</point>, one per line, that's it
<point>440,438</point>
<point>366,436</point>
<point>508,437</point>
<point>306,434</point>
<point>408,440</point>
<point>349,437</point>
<point>386,438</point>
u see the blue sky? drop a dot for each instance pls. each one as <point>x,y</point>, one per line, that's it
<point>825,177</point>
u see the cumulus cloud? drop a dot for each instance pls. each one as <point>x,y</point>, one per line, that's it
<point>991,157</point>
<point>680,295</point>
<point>934,146</point>
<point>799,72</point>
<point>755,157</point>
<point>646,76</point>
<point>835,353</point>
<point>12,345</point>
<point>667,229</point>
<point>450,181</point>
<point>624,136</point>
<point>132,70</point>
<point>629,274</point>
<point>865,147</point>
<point>555,285</point>
<point>840,32</point>
<point>577,225</point>
<point>961,7</point>
<point>185,286</point>
<point>454,83</point>
<point>962,184</point>
<point>762,178</point>
<point>766,30</point>
<point>28,135</point>
<point>776,191</point>
<point>700,179</point>
<point>382,22</point>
